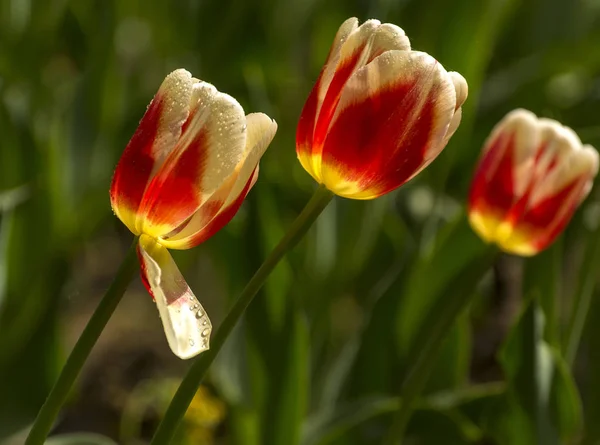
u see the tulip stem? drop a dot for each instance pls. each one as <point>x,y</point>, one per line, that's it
<point>435,332</point>
<point>188,387</point>
<point>45,418</point>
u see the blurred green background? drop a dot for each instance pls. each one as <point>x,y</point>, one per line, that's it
<point>322,352</point>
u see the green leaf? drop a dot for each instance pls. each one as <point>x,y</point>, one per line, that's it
<point>565,404</point>
<point>506,422</point>
<point>455,398</point>
<point>454,247</point>
<point>80,439</point>
<point>582,296</point>
<point>11,198</point>
<point>540,383</point>
<point>591,385</point>
<point>435,330</point>
<point>325,426</point>
<point>337,374</point>
<point>288,400</point>
<point>442,427</point>
<point>447,275</point>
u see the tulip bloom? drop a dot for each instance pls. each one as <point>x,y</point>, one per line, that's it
<point>182,177</point>
<point>532,175</point>
<point>378,114</point>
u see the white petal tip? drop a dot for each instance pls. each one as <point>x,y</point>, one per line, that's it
<point>186,325</point>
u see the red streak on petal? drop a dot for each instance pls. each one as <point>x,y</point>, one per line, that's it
<point>548,219</point>
<point>545,213</point>
<point>374,54</point>
<point>492,189</point>
<point>379,142</point>
<point>222,218</point>
<point>306,123</point>
<point>135,166</point>
<point>188,121</point>
<point>173,194</point>
<point>207,211</point>
<point>332,98</point>
<point>144,273</point>
<point>552,164</point>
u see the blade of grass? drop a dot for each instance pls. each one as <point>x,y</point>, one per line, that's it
<point>583,297</point>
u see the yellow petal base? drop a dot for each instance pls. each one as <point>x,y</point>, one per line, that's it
<point>507,237</point>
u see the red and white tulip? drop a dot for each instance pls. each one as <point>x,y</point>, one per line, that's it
<point>182,177</point>
<point>379,112</point>
<point>531,177</point>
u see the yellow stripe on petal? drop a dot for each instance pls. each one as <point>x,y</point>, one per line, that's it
<point>518,243</point>
<point>338,183</point>
<point>484,225</point>
<point>186,325</point>
<point>305,159</point>
<point>505,235</point>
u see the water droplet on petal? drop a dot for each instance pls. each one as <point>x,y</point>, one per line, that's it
<point>191,342</point>
<point>205,332</point>
<point>199,314</point>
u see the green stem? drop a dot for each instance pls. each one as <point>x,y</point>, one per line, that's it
<point>195,374</point>
<point>541,283</point>
<point>45,418</point>
<point>437,330</point>
<point>528,380</point>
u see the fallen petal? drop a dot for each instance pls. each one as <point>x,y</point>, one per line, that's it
<point>184,320</point>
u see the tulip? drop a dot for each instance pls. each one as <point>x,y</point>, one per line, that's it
<point>378,114</point>
<point>182,177</point>
<point>532,175</point>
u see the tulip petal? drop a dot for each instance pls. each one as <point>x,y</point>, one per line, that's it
<point>461,88</point>
<point>208,221</point>
<point>367,42</point>
<point>559,185</point>
<point>560,161</point>
<point>210,148</point>
<point>153,140</point>
<point>353,47</point>
<point>461,92</point>
<point>218,210</point>
<point>391,112</point>
<point>503,174</point>
<point>261,131</point>
<point>186,325</point>
<point>308,117</point>
<point>540,225</point>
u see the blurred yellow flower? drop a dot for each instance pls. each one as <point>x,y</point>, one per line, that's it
<point>202,418</point>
